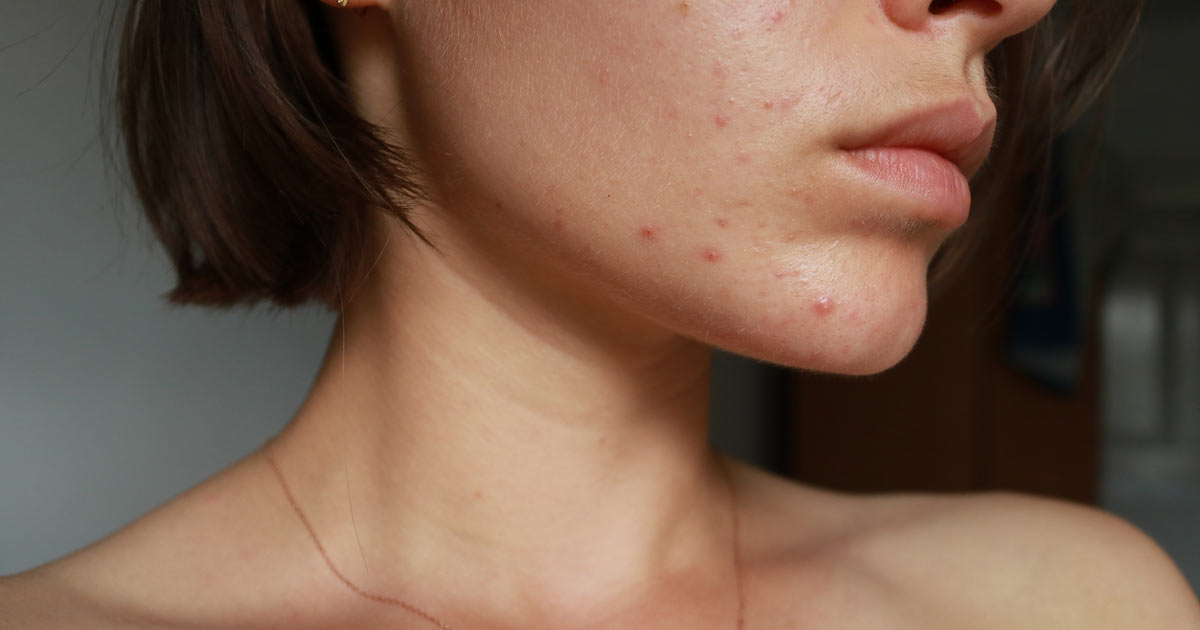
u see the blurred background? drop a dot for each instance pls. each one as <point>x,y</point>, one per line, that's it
<point>1070,370</point>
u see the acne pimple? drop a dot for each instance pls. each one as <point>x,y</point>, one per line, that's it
<point>768,104</point>
<point>719,72</point>
<point>650,232</point>
<point>711,254</point>
<point>722,222</point>
<point>742,157</point>
<point>823,306</point>
<point>721,120</point>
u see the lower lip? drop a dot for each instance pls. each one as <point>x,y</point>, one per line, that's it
<point>940,190</point>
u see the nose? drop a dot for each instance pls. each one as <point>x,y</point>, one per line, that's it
<point>986,22</point>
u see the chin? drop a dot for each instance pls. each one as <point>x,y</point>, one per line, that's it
<point>869,339</point>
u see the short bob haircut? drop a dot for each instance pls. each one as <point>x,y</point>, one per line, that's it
<point>260,179</point>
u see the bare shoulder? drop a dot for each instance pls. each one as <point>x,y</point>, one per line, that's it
<point>1037,562</point>
<point>35,599</point>
<point>148,573</point>
<point>981,560</point>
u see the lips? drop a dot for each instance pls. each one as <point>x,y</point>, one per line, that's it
<point>959,131</point>
<point>923,160</point>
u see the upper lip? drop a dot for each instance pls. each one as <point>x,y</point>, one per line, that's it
<point>959,130</point>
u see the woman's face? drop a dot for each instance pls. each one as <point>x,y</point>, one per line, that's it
<point>692,160</point>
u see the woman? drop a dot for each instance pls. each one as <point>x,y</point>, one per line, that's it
<point>509,428</point>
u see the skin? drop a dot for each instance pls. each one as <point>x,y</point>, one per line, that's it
<point>510,431</point>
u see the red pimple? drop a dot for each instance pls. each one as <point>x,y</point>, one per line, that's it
<point>768,104</point>
<point>711,255</point>
<point>742,157</point>
<point>649,232</point>
<point>823,305</point>
<point>722,222</point>
<point>721,120</point>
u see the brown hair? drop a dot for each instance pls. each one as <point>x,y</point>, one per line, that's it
<point>1043,81</point>
<point>260,180</point>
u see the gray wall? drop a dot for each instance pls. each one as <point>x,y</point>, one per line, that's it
<point>110,402</point>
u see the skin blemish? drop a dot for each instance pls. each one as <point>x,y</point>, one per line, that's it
<point>671,111</point>
<point>722,222</point>
<point>478,494</point>
<point>768,105</point>
<point>801,193</point>
<point>789,101</point>
<point>711,254</point>
<point>742,157</point>
<point>791,273</point>
<point>832,94</point>
<point>823,306</point>
<point>684,6</point>
<point>650,232</point>
<point>719,71</point>
<point>721,120</point>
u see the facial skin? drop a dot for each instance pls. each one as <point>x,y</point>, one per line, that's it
<point>682,160</point>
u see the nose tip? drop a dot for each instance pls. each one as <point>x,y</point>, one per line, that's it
<point>988,21</point>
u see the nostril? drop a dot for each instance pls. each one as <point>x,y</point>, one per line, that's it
<point>982,7</point>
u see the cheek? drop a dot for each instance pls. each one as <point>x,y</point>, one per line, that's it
<point>675,159</point>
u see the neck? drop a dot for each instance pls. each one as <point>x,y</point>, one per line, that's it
<point>536,451</point>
